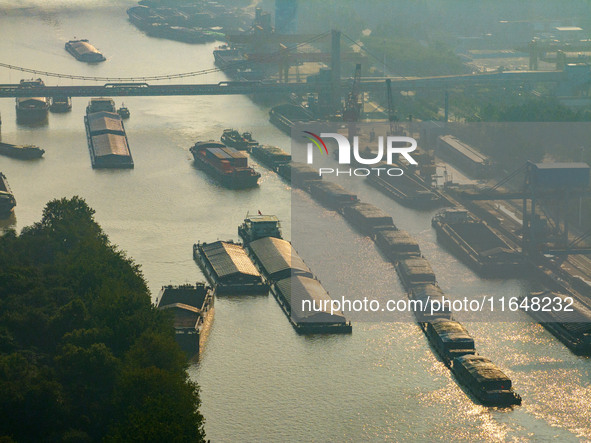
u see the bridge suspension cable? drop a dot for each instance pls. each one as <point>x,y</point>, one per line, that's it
<point>236,65</point>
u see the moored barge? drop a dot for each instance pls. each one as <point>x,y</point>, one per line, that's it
<point>60,104</point>
<point>228,268</point>
<point>227,165</point>
<point>193,308</point>
<point>83,51</point>
<point>27,152</point>
<point>31,109</point>
<point>477,244</point>
<point>7,200</point>
<point>571,324</point>
<point>286,115</point>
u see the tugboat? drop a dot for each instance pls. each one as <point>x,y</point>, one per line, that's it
<point>60,104</point>
<point>227,165</point>
<point>123,111</point>
<point>27,152</point>
<point>7,200</point>
<point>242,142</point>
<point>31,109</point>
<point>259,226</point>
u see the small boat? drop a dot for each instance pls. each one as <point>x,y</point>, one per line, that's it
<point>27,152</point>
<point>83,51</point>
<point>123,111</point>
<point>242,142</point>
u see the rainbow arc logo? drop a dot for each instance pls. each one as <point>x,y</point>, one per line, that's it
<point>316,141</point>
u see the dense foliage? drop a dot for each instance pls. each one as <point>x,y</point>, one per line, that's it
<point>84,356</point>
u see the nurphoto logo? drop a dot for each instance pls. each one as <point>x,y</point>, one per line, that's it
<point>382,161</point>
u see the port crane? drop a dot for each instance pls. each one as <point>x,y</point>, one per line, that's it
<point>392,117</point>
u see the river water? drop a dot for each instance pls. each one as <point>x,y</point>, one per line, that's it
<point>259,380</point>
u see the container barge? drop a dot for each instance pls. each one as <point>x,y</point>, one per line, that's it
<point>192,307</point>
<point>106,137</point>
<point>407,189</point>
<point>465,157</point>
<point>228,268</point>
<point>234,139</point>
<point>485,380</point>
<point>477,244</point>
<point>396,244</point>
<point>27,152</point>
<point>573,328</point>
<point>83,51</point>
<point>271,156</point>
<point>227,165</point>
<point>7,200</point>
<point>332,195</point>
<point>286,115</point>
<point>369,219</point>
<point>31,109</point>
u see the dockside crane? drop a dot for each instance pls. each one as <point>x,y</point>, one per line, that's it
<point>392,117</point>
<point>353,102</point>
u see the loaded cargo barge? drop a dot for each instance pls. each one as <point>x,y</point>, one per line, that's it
<point>83,51</point>
<point>573,328</point>
<point>228,268</point>
<point>31,109</point>
<point>106,137</point>
<point>369,219</point>
<point>485,380</point>
<point>7,200</point>
<point>227,165</point>
<point>477,244</point>
<point>27,152</point>
<point>330,194</point>
<point>407,189</point>
<point>291,281</point>
<point>271,156</point>
<point>193,308</point>
<point>234,139</point>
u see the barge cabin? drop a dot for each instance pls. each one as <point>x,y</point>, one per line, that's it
<point>259,226</point>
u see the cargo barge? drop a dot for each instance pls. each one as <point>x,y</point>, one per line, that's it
<point>286,115</point>
<point>106,137</point>
<point>7,200</point>
<point>449,338</point>
<point>573,328</point>
<point>60,104</point>
<point>331,195</point>
<point>192,307</point>
<point>397,245</point>
<point>466,158</point>
<point>426,310</point>
<point>415,271</point>
<point>83,51</point>
<point>31,109</point>
<point>369,219</point>
<point>234,139</point>
<point>303,299</point>
<point>27,152</point>
<point>227,165</point>
<point>407,189</point>
<point>300,175</point>
<point>228,268</point>
<point>485,380</point>
<point>271,156</point>
<point>477,244</point>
